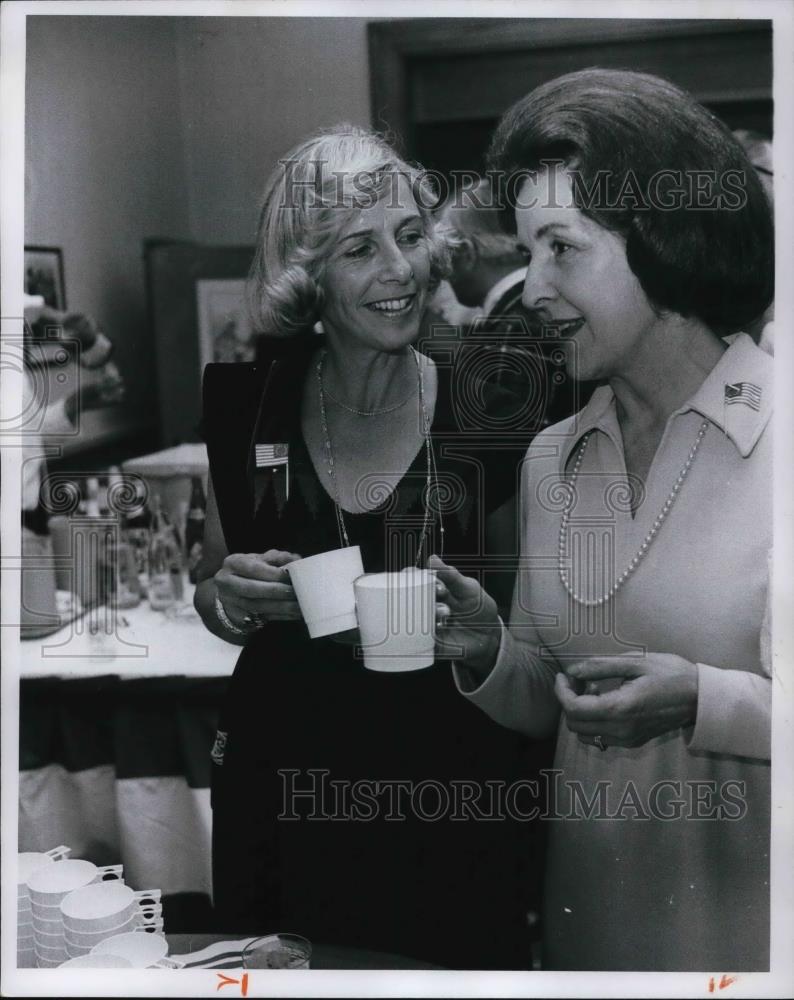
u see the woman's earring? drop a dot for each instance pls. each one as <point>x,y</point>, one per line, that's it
<point>318,327</point>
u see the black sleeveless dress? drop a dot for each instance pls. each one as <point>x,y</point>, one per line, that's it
<point>357,808</point>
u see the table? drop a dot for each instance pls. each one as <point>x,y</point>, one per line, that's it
<point>115,735</point>
<point>324,956</point>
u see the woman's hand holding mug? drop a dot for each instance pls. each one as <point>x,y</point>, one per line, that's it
<point>255,587</point>
<point>469,628</point>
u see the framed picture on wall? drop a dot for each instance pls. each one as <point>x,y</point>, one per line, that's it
<point>225,330</point>
<point>44,275</point>
<point>175,270</point>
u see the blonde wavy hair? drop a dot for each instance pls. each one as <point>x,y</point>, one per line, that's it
<point>308,197</point>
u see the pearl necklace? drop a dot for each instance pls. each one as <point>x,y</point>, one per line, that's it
<point>643,549</point>
<point>431,472</point>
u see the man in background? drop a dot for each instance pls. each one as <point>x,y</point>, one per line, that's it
<point>488,271</point>
<point>482,299</point>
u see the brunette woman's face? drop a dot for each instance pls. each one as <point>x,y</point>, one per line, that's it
<point>578,278</point>
<point>376,279</point>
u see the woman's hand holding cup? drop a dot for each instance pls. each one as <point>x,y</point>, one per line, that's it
<point>468,624</point>
<point>255,588</point>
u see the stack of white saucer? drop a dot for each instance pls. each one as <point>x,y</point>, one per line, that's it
<point>27,863</point>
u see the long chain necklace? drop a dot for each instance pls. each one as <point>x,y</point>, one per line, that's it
<point>368,413</point>
<point>646,543</point>
<point>431,469</point>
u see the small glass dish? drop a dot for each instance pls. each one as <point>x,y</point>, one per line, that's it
<point>277,951</point>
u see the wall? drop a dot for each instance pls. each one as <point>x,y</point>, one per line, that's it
<point>252,88</point>
<point>167,126</point>
<point>104,169</point>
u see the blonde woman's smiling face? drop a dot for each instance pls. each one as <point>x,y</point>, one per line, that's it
<point>578,277</point>
<point>375,282</point>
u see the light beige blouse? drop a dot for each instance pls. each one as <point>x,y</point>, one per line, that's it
<point>667,867</point>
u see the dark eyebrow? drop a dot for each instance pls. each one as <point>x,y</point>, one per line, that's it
<point>549,226</point>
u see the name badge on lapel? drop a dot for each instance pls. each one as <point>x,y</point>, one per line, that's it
<point>271,469</point>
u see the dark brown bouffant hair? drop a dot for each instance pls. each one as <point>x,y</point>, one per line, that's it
<point>650,163</point>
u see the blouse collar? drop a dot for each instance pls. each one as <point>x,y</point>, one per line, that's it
<point>736,396</point>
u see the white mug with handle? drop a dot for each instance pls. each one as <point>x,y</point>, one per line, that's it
<point>49,885</point>
<point>105,906</point>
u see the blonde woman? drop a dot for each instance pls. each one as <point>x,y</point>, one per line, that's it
<point>337,791</point>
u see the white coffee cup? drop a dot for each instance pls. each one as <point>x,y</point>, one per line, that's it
<point>29,862</point>
<point>140,949</point>
<point>397,619</point>
<point>149,918</point>
<point>83,944</point>
<point>73,950</point>
<point>104,906</point>
<point>324,588</point>
<point>50,884</point>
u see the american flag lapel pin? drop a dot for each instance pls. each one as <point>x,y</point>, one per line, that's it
<point>273,456</point>
<point>743,392</point>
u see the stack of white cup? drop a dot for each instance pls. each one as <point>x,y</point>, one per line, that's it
<point>107,909</point>
<point>27,863</point>
<point>48,887</point>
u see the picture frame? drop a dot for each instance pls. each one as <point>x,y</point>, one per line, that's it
<point>173,269</point>
<point>44,275</point>
<point>225,329</point>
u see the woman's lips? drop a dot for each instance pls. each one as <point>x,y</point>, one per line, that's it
<point>565,327</point>
<point>397,306</point>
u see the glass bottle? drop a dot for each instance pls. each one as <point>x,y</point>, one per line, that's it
<point>161,590</point>
<point>137,529</point>
<point>194,529</point>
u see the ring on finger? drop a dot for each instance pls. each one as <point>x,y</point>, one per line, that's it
<point>254,618</point>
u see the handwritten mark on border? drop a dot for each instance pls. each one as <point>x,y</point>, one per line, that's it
<point>230,981</point>
<point>723,983</point>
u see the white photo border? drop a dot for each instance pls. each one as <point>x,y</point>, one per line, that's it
<point>154,983</point>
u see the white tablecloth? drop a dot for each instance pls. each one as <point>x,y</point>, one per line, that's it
<point>118,769</point>
<point>143,643</point>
